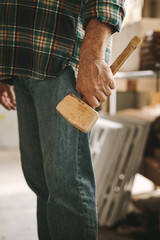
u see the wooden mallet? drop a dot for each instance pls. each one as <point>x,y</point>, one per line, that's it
<point>79,113</point>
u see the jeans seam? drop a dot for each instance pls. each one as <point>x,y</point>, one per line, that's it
<point>80,186</point>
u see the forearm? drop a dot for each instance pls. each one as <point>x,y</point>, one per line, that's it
<point>95,40</point>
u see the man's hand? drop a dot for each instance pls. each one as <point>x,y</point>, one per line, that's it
<point>7,97</point>
<point>95,79</point>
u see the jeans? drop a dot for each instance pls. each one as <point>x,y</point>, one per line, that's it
<point>56,160</point>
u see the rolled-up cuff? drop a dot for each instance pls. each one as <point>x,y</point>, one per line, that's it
<point>109,12</point>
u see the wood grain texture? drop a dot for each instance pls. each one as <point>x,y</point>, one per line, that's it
<point>77,112</point>
<point>133,44</point>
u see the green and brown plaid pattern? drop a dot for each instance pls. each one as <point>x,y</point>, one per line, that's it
<point>38,38</point>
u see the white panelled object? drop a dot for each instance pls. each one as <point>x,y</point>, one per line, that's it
<point>8,128</point>
<point>117,146</point>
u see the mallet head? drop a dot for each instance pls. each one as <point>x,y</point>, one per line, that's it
<point>77,112</point>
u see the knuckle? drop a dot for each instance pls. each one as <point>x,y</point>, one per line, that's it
<point>95,89</point>
<point>112,84</point>
<point>104,98</point>
<point>108,92</point>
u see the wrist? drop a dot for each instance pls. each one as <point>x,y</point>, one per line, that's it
<point>95,40</point>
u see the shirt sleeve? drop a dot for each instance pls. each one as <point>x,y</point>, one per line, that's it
<point>111,12</point>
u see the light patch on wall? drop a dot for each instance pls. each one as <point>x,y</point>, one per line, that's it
<point>2,117</point>
<point>133,11</point>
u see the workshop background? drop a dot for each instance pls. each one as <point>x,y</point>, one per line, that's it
<point>128,171</point>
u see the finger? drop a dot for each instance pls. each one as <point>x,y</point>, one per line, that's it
<point>101,95</point>
<point>109,79</point>
<point>112,84</point>
<point>11,95</point>
<point>107,91</point>
<point>9,98</point>
<point>12,107</point>
<point>92,101</point>
<point>11,104</point>
<point>5,103</point>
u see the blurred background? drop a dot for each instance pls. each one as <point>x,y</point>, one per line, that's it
<point>128,193</point>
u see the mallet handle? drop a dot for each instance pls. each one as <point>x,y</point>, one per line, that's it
<point>135,41</point>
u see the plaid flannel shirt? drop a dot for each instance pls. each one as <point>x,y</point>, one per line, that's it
<point>38,38</point>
